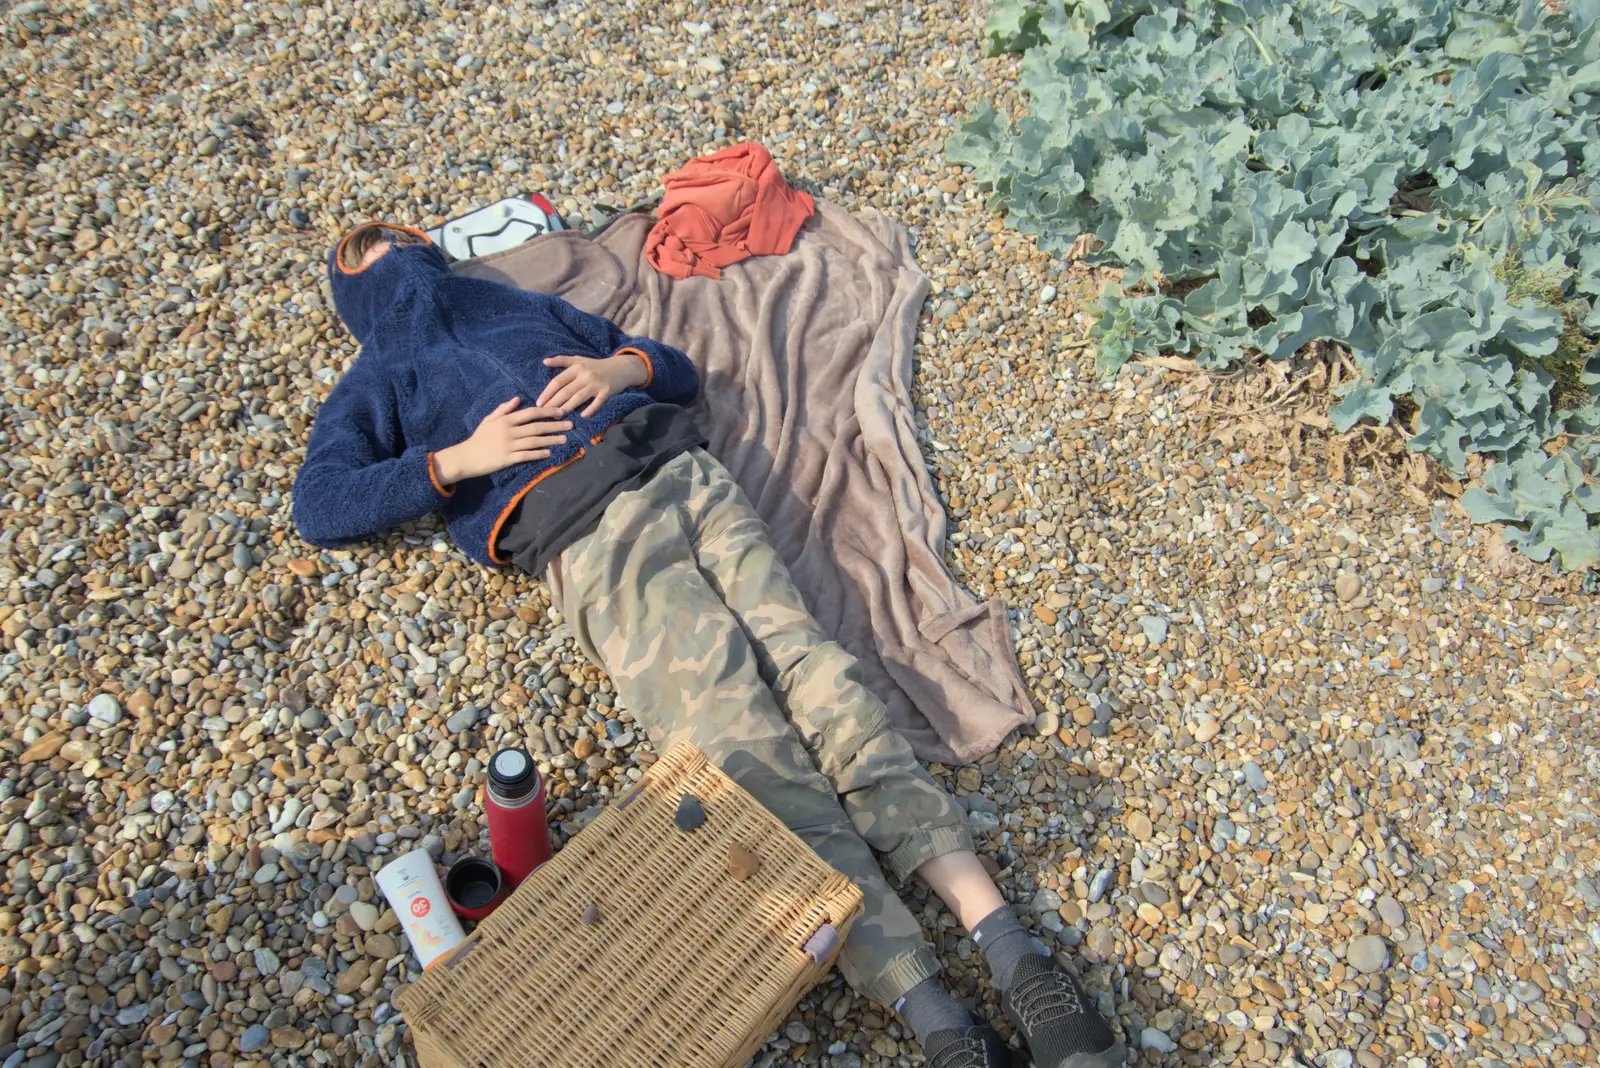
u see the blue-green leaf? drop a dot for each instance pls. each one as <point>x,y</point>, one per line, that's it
<point>1293,246</point>
<point>1484,507</point>
<point>1365,401</point>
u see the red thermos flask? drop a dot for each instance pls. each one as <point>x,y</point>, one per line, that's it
<point>514,802</point>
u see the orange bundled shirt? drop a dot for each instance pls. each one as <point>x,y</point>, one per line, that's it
<point>722,208</point>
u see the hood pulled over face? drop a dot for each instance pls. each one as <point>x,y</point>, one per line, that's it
<point>366,294</point>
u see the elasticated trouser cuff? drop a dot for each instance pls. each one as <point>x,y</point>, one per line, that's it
<point>898,975</point>
<point>928,844</point>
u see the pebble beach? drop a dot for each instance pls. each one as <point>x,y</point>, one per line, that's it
<point>1312,778</point>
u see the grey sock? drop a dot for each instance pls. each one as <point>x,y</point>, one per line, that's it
<point>1004,942</point>
<point>927,1010</point>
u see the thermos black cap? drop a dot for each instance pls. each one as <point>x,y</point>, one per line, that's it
<point>512,774</point>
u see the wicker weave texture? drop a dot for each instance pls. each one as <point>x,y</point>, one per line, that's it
<point>686,968</point>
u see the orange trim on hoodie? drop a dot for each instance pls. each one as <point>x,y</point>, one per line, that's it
<point>649,368</point>
<point>338,255</point>
<point>433,476</point>
<point>511,505</point>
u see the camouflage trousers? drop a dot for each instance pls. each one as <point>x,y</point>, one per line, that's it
<point>679,595</point>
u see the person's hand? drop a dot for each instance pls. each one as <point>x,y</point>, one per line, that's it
<point>506,436</point>
<point>593,381</point>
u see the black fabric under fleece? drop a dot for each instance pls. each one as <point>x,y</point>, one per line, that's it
<point>564,505</point>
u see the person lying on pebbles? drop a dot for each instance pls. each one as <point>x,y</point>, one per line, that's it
<point>669,581</point>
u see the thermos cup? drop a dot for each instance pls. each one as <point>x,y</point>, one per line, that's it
<point>514,803</point>
<point>475,887</point>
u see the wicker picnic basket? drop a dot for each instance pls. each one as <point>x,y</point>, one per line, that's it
<point>687,966</point>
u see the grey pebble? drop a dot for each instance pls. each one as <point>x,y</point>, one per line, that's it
<point>105,710</point>
<point>1158,1040</point>
<point>1254,776</point>
<point>1368,954</point>
<point>691,813</point>
<point>462,720</point>
<point>254,1037</point>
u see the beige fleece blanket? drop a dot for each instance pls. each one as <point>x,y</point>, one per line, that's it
<point>805,364</point>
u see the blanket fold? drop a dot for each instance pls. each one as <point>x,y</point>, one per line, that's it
<point>806,366</point>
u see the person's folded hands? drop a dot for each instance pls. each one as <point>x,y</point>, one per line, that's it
<point>506,436</point>
<point>587,381</point>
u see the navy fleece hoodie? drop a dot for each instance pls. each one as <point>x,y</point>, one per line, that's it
<point>438,353</point>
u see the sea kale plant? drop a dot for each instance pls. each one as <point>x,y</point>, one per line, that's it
<point>1410,179</point>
